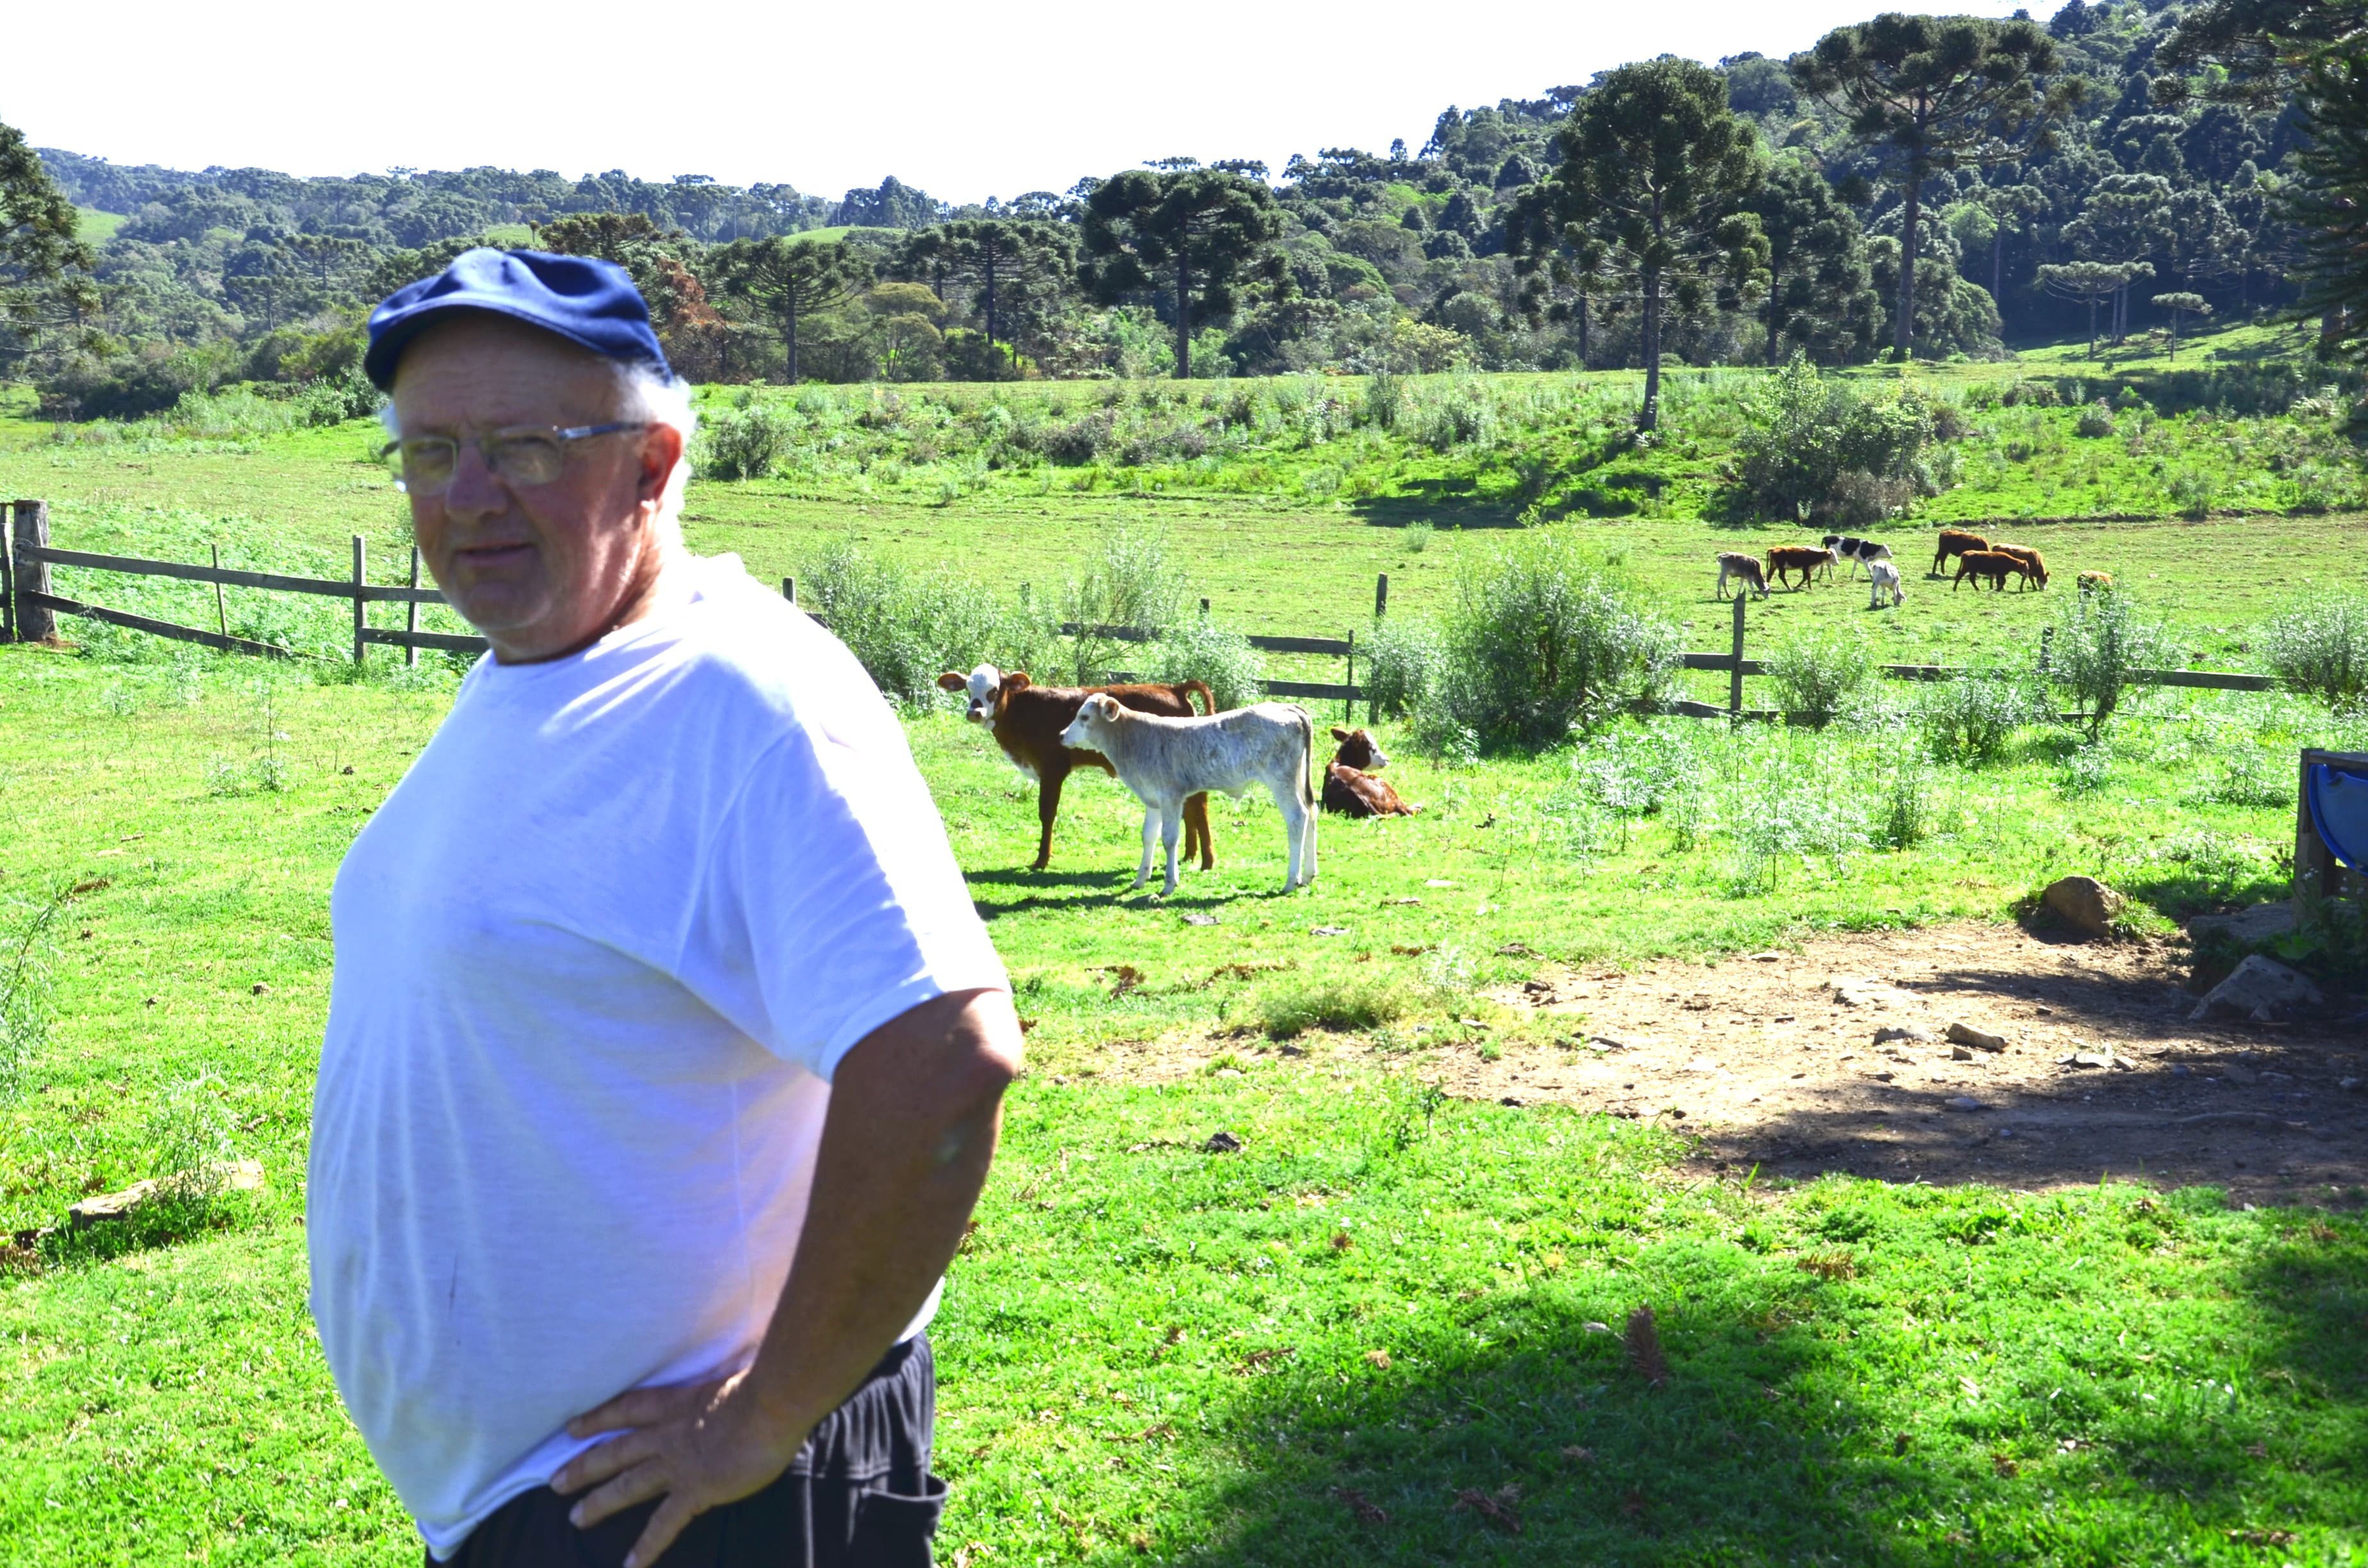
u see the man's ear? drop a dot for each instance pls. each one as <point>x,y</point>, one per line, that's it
<point>1015,680</point>
<point>1338,733</point>
<point>952,682</point>
<point>661,449</point>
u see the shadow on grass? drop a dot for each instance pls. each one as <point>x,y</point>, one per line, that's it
<point>1392,1337</point>
<point>1444,502</point>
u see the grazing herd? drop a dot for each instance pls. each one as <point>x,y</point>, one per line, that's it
<point>1975,557</point>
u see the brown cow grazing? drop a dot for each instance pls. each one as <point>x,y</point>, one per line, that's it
<point>2095,582</point>
<point>1349,787</point>
<point>1955,541</point>
<point>1028,720</point>
<point>1994,565</point>
<point>2029,558</point>
<point>1799,558</point>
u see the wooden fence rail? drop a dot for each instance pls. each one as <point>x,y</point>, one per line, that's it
<point>29,605</point>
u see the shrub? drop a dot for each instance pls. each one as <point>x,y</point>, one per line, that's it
<point>1970,721</point>
<point>1079,440</point>
<point>902,630</point>
<point>1906,805</point>
<point>2086,769</point>
<point>2099,639</point>
<point>1199,649</point>
<point>1401,657</point>
<point>1819,670</point>
<point>1128,583</point>
<point>1335,1002</point>
<point>2192,493</point>
<point>2321,648</point>
<point>1541,638</point>
<point>1417,536</point>
<point>1385,399</point>
<point>2096,420</point>
<point>742,443</point>
<point>1804,432</point>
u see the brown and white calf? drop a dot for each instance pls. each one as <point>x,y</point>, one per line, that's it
<point>1164,761</point>
<point>1350,787</point>
<point>1026,720</point>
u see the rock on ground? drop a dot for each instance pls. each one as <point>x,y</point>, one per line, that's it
<point>2086,903</point>
<point>2263,990</point>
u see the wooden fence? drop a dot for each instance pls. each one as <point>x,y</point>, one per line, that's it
<point>28,608</point>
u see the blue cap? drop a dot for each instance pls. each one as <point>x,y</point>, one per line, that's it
<point>588,301</point>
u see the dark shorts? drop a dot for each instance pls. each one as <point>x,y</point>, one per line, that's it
<point>859,1494</point>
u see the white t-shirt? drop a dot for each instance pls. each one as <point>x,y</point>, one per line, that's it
<point>598,957</point>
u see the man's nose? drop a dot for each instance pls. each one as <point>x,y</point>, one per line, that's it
<point>475,490</point>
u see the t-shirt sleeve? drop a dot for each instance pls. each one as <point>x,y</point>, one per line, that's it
<point>829,902</point>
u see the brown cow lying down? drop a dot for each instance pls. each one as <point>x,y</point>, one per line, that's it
<point>1350,787</point>
<point>1026,720</point>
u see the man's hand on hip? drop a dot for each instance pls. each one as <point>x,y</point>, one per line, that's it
<point>914,1107</point>
<point>696,1445</point>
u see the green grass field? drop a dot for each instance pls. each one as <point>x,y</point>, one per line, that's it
<point>1389,1314</point>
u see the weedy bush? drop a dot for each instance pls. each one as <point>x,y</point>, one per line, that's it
<point>1402,654</point>
<point>2096,420</point>
<point>1353,1000</point>
<point>1385,399</point>
<point>1803,433</point>
<point>742,443</point>
<point>2192,493</point>
<point>2086,769</point>
<point>1818,671</point>
<point>1199,649</point>
<point>903,630</point>
<point>1127,582</point>
<point>2321,647</point>
<point>1544,636</point>
<point>2099,639</point>
<point>1906,807</point>
<point>1416,536</point>
<point>1969,721</point>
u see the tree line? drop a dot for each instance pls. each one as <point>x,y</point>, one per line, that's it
<point>1910,185</point>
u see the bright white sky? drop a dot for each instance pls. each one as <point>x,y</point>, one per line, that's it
<point>965,101</point>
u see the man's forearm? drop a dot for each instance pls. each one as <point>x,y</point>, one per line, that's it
<point>911,1132</point>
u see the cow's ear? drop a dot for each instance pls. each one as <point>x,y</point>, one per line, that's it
<point>1015,680</point>
<point>952,682</point>
<point>1340,735</point>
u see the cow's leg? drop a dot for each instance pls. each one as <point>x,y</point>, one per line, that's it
<point>1150,821</point>
<point>1047,806</point>
<point>1196,831</point>
<point>1170,818</point>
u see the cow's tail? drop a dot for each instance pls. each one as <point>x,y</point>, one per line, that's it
<point>1307,757</point>
<point>1208,697</point>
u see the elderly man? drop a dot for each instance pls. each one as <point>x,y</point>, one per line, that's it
<point>666,1049</point>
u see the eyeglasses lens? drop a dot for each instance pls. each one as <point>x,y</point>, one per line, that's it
<point>528,460</point>
<point>424,466</point>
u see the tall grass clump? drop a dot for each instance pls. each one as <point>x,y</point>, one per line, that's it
<point>1543,637</point>
<point>2099,639</point>
<point>26,951</point>
<point>1814,447</point>
<point>1199,649</point>
<point>903,627</point>
<point>1970,721</point>
<point>742,443</point>
<point>1818,671</point>
<point>1402,655</point>
<point>2322,648</point>
<point>1128,584</point>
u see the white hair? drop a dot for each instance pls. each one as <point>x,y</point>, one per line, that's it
<point>650,396</point>
<point>653,396</point>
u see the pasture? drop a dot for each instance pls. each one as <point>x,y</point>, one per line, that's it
<point>1389,1327</point>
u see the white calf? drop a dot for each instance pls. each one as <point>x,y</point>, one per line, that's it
<point>1745,567</point>
<point>1163,760</point>
<point>1883,577</point>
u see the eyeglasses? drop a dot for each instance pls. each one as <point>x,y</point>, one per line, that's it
<point>519,454</point>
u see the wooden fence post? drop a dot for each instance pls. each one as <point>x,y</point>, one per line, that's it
<point>1734,676</point>
<point>1204,609</point>
<point>8,580</point>
<point>358,622</point>
<point>411,617</point>
<point>2046,637</point>
<point>35,623</point>
<point>222,610</point>
<point>1381,596</point>
<point>790,589</point>
<point>1349,704</point>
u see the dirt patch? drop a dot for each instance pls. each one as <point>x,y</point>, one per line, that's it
<point>1836,1058</point>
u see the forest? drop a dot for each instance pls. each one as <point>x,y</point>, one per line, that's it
<point>2109,185</point>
